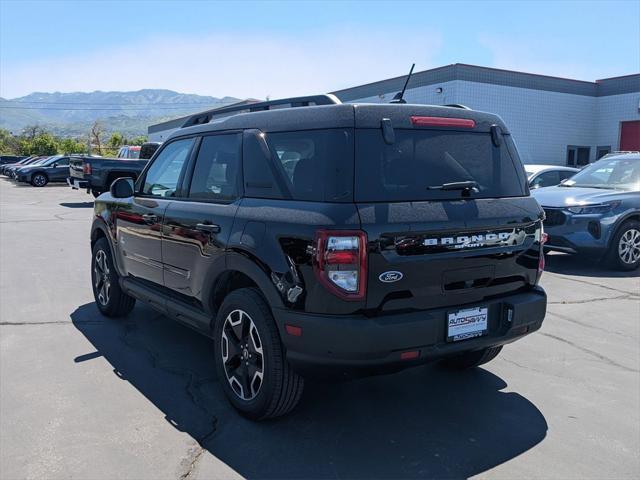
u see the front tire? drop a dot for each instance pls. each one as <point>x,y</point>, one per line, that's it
<point>472,359</point>
<point>39,180</point>
<point>250,359</point>
<point>109,297</point>
<point>624,251</point>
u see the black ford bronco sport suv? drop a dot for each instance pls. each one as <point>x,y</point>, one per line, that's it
<point>306,236</point>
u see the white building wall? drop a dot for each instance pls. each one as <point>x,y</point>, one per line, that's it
<point>542,123</point>
<point>610,112</point>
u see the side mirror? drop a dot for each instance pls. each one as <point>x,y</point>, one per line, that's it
<point>122,188</point>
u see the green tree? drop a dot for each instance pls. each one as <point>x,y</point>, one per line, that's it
<point>71,145</point>
<point>9,144</point>
<point>43,144</point>
<point>139,140</point>
<point>116,140</point>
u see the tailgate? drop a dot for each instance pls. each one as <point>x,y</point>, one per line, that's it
<point>76,166</point>
<point>431,255</point>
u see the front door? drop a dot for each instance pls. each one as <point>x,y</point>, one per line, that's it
<point>60,172</point>
<point>139,222</point>
<point>197,229</point>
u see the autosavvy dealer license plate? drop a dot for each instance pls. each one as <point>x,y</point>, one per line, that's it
<point>467,323</point>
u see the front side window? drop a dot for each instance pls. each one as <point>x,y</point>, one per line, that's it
<point>164,173</point>
<point>216,172</point>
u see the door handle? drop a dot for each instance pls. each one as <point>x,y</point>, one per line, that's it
<point>208,227</point>
<point>150,218</point>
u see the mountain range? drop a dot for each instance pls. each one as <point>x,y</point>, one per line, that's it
<point>73,114</point>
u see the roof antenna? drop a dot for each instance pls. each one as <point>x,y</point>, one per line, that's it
<point>398,98</point>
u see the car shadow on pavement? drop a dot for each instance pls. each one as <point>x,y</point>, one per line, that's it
<point>423,422</point>
<point>77,204</point>
<point>583,266</point>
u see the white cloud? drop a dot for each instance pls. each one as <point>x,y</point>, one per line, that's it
<point>234,64</point>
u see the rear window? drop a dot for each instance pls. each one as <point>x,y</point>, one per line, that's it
<point>315,165</point>
<point>419,159</point>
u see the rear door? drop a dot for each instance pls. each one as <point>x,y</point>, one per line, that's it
<point>433,247</point>
<point>197,228</point>
<point>139,221</point>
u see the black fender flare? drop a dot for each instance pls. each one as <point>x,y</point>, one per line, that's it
<point>99,224</point>
<point>240,262</point>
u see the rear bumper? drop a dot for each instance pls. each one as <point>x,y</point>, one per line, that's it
<point>359,345</point>
<point>77,184</point>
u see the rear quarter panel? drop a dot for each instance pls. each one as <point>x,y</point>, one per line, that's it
<point>281,234</point>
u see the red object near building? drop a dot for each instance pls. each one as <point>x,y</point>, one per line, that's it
<point>630,136</point>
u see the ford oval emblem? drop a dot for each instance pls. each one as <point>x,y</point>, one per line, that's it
<point>390,277</point>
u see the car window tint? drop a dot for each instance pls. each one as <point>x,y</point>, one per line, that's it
<point>546,179</point>
<point>564,174</point>
<point>258,170</point>
<point>317,165</point>
<point>420,161</point>
<point>63,162</point>
<point>164,173</point>
<point>215,176</point>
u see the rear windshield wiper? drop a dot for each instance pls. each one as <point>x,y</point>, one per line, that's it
<point>468,185</point>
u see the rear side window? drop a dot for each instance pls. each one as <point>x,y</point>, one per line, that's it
<point>316,165</point>
<point>215,176</point>
<point>419,159</point>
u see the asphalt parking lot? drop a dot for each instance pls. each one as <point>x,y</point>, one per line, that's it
<point>82,396</point>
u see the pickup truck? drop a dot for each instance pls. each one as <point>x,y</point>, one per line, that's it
<point>95,174</point>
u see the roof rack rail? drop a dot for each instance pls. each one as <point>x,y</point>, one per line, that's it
<point>255,106</point>
<point>457,105</point>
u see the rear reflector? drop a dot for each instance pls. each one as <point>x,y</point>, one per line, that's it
<point>443,122</point>
<point>410,355</point>
<point>293,330</point>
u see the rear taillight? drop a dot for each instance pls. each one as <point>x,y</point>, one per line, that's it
<point>541,263</point>
<point>86,168</point>
<point>341,262</point>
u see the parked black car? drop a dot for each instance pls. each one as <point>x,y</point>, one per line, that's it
<point>7,168</point>
<point>7,159</point>
<point>328,239</point>
<point>54,169</point>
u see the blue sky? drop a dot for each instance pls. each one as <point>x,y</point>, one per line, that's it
<point>255,49</point>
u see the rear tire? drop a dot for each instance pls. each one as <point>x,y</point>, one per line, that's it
<point>39,180</point>
<point>250,359</point>
<point>109,297</point>
<point>624,251</point>
<point>472,359</point>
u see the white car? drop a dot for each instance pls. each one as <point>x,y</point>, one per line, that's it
<point>548,175</point>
